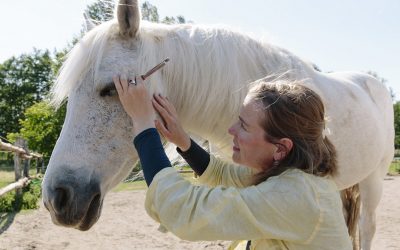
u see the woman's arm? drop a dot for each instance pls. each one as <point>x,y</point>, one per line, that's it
<point>172,130</point>
<point>137,104</point>
<point>197,158</point>
<point>151,153</point>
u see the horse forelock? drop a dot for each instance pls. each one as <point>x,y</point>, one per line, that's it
<point>86,55</point>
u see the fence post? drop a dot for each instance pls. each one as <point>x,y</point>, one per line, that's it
<point>17,169</point>
<point>26,167</point>
<point>17,159</point>
<point>37,166</point>
<point>27,161</point>
<point>43,166</point>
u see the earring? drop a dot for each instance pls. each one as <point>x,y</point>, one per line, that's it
<point>275,163</point>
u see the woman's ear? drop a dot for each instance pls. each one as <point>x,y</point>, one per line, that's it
<point>283,148</point>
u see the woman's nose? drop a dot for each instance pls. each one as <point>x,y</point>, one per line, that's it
<point>231,130</point>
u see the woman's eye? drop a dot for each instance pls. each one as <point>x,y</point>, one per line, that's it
<point>242,125</point>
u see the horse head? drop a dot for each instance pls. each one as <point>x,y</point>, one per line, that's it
<point>94,151</point>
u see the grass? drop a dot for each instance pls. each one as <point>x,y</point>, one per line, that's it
<point>394,168</point>
<point>8,176</point>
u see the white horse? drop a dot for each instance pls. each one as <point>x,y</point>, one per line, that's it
<point>206,80</point>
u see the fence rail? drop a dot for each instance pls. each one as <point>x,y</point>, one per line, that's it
<point>21,155</point>
<point>15,185</point>
<point>25,154</point>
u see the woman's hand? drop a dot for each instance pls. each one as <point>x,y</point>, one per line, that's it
<point>136,102</point>
<point>171,128</point>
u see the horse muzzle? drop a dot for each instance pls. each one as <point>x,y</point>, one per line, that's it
<point>72,202</point>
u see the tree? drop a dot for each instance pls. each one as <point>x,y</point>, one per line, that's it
<point>41,127</point>
<point>101,11</point>
<point>24,80</point>
<point>173,20</point>
<point>150,12</point>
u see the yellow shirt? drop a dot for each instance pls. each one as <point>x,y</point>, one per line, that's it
<point>294,210</point>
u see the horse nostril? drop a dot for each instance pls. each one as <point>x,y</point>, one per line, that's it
<point>62,196</point>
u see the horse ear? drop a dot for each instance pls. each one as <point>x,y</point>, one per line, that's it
<point>89,24</point>
<point>128,16</point>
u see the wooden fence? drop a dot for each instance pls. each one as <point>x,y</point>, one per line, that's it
<point>21,155</point>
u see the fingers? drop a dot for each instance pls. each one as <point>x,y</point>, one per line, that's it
<point>162,111</point>
<point>162,129</point>
<point>124,82</point>
<point>138,86</point>
<point>165,104</point>
<point>121,84</point>
<point>117,84</point>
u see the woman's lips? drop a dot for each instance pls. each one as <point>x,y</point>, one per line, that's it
<point>236,149</point>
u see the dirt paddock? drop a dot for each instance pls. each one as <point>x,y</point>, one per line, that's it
<point>125,225</point>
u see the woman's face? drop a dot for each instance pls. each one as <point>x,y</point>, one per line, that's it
<point>250,147</point>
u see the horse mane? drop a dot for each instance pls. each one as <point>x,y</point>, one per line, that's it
<point>211,69</point>
<point>209,72</point>
<point>216,43</point>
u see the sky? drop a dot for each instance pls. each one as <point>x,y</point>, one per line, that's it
<point>361,35</point>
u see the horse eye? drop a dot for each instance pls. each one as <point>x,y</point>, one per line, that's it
<point>108,91</point>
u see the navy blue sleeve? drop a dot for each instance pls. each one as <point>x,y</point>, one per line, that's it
<point>151,153</point>
<point>197,158</point>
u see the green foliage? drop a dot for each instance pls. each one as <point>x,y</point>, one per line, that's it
<point>31,195</point>
<point>14,202</point>
<point>173,20</point>
<point>7,202</point>
<point>396,109</point>
<point>24,80</point>
<point>101,11</point>
<point>59,58</point>
<point>394,168</point>
<point>41,127</point>
<point>150,12</point>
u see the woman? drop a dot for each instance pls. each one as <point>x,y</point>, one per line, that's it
<point>280,197</point>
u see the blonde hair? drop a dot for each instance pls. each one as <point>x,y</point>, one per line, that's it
<point>294,111</point>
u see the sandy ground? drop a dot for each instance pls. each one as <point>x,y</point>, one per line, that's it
<point>125,225</point>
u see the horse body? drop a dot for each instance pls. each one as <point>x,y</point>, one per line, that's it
<point>363,146</point>
<point>207,81</point>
